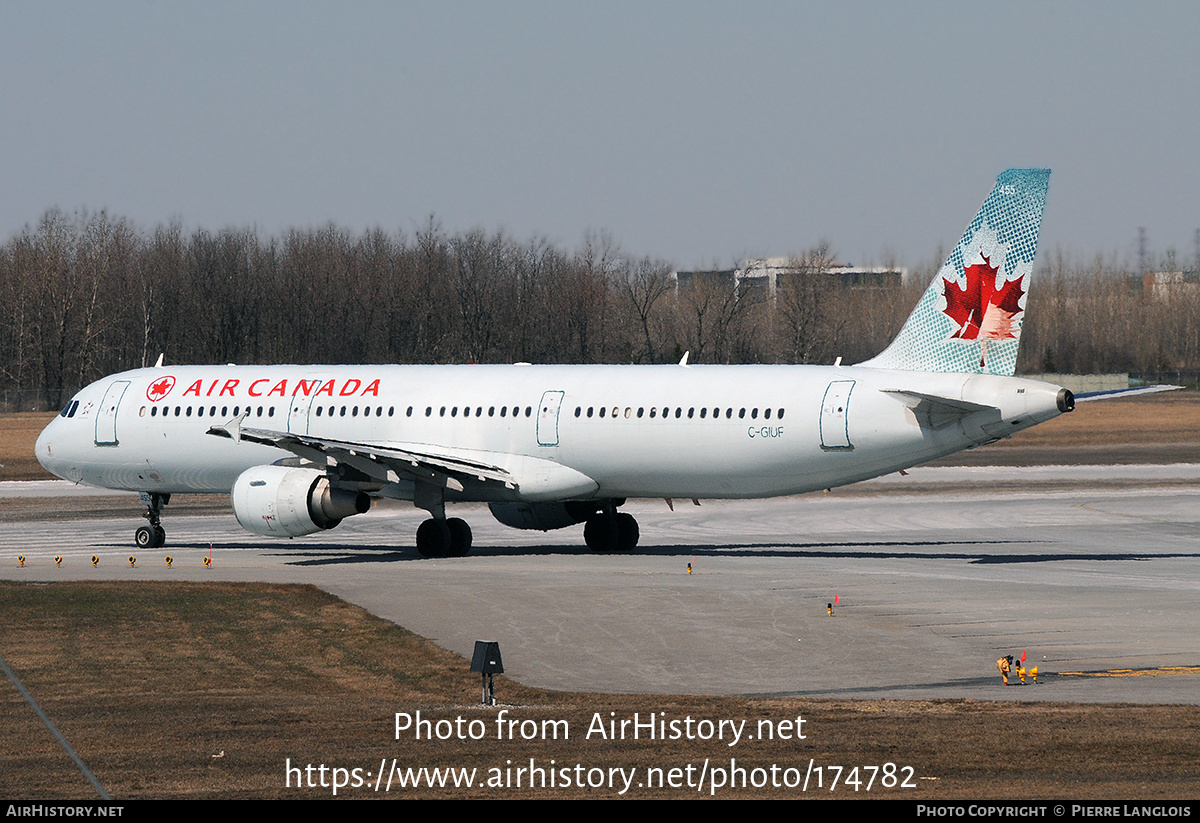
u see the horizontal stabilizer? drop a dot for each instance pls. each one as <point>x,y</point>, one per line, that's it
<point>1130,392</point>
<point>935,412</point>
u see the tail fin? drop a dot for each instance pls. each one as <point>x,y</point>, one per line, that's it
<point>969,320</point>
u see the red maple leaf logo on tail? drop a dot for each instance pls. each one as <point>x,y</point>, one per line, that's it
<point>982,311</point>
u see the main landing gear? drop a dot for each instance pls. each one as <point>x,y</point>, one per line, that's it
<point>444,537</point>
<point>439,536</point>
<point>611,531</point>
<point>152,536</point>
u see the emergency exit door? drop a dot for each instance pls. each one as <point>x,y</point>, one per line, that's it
<point>547,424</point>
<point>835,416</point>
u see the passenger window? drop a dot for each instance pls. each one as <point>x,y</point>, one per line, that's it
<point>781,414</point>
<point>429,411</point>
<point>754,413</point>
<point>640,411</point>
<point>767,413</point>
<point>691,412</point>
<point>603,409</point>
<point>154,411</point>
<point>479,411</point>
<point>578,411</point>
<point>341,411</point>
<point>529,411</point>
<point>318,411</point>
<point>366,411</point>
<point>212,411</point>
<point>741,414</point>
<point>504,411</point>
<point>354,412</point>
<point>492,411</point>
<point>628,412</point>
<point>188,413</point>
<point>589,411</point>
<point>271,411</point>
<point>679,412</point>
<point>142,413</point>
<point>653,412</point>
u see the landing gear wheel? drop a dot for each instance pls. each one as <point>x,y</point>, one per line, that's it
<point>601,532</point>
<point>629,532</point>
<point>150,537</point>
<point>460,537</point>
<point>434,538</point>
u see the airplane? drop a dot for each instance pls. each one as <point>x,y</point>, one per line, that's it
<point>300,448</point>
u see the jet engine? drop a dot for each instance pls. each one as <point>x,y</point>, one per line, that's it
<point>543,516</point>
<point>285,502</point>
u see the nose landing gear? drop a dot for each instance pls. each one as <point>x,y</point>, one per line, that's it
<point>152,536</point>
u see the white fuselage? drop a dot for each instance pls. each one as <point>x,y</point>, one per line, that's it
<point>562,432</point>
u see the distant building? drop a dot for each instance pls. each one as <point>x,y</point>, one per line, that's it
<point>1170,285</point>
<point>765,275</point>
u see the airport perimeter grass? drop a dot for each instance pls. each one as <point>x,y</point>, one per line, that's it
<point>171,690</point>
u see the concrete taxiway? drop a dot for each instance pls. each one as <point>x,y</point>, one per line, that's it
<point>1088,569</point>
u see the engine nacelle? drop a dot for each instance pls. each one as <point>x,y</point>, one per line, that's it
<point>283,502</point>
<point>543,516</point>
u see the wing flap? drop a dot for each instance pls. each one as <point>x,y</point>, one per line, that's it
<point>388,464</point>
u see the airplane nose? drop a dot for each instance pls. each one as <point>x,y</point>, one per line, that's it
<point>45,448</point>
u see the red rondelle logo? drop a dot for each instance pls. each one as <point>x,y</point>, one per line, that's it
<point>160,388</point>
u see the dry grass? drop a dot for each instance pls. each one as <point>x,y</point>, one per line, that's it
<point>18,433</point>
<point>149,681</point>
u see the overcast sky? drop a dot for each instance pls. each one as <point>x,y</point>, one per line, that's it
<point>699,132</point>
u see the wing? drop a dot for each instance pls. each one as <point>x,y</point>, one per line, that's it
<point>386,464</point>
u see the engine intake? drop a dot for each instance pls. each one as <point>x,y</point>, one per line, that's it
<point>278,501</point>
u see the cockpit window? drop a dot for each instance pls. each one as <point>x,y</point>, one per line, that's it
<point>70,409</point>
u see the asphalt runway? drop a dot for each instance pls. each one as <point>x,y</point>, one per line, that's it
<point>932,586</point>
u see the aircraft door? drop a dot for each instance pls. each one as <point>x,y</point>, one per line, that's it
<point>303,406</point>
<point>547,425</point>
<point>835,425</point>
<point>106,419</point>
